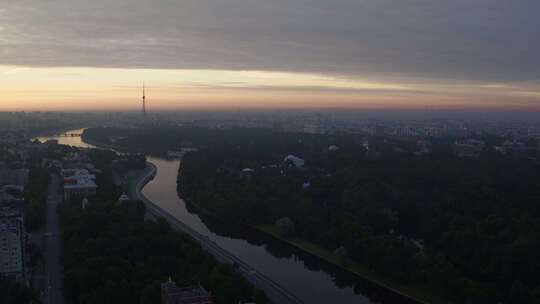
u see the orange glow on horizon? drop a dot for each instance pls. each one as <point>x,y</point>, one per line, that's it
<point>27,89</point>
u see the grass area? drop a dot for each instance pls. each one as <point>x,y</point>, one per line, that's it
<point>415,292</point>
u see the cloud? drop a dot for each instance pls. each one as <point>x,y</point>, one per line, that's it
<point>484,40</point>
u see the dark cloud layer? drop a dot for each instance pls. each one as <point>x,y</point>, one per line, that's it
<point>486,40</point>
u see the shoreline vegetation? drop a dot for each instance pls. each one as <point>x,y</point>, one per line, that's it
<point>135,276</point>
<point>444,228</point>
<point>413,293</point>
<point>410,292</point>
<point>101,145</point>
<point>268,231</point>
<point>317,251</point>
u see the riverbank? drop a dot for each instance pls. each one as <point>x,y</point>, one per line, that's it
<point>414,293</point>
<point>276,293</point>
<point>100,145</point>
<point>118,149</point>
<point>52,132</point>
<point>275,263</point>
<point>411,294</point>
<point>160,252</point>
<point>136,186</point>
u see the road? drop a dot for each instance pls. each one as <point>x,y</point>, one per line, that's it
<point>276,293</point>
<point>53,270</point>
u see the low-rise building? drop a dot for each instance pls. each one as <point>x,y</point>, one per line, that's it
<point>78,183</point>
<point>296,161</point>
<point>247,173</point>
<point>333,148</point>
<point>13,176</point>
<point>172,294</point>
<point>469,148</point>
<point>517,150</point>
<point>123,198</point>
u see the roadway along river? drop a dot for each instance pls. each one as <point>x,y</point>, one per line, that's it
<point>297,272</point>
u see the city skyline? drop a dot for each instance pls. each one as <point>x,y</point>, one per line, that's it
<point>74,55</point>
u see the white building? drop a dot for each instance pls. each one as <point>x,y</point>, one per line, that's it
<point>247,173</point>
<point>78,183</point>
<point>333,148</point>
<point>296,161</point>
<point>123,198</point>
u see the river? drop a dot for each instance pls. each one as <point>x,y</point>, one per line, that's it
<point>310,279</point>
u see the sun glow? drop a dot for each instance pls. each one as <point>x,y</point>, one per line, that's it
<point>73,88</point>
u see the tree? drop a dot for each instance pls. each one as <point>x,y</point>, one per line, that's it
<point>536,295</point>
<point>518,293</point>
<point>15,293</point>
<point>112,255</point>
<point>286,227</point>
<point>341,251</point>
<point>342,254</point>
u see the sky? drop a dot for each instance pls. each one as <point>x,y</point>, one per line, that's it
<point>420,54</point>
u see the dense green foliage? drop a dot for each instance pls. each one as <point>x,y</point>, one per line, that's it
<point>35,196</point>
<point>466,229</point>
<point>112,255</point>
<point>478,220</point>
<point>160,139</point>
<point>103,160</point>
<point>16,293</point>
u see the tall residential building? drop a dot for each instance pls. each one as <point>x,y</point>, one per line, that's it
<point>12,243</point>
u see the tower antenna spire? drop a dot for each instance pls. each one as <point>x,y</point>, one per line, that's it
<point>143,99</point>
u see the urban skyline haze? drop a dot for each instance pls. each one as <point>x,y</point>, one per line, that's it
<point>78,55</point>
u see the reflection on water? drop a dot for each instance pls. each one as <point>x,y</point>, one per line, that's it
<point>68,140</point>
<point>309,278</point>
<point>284,267</point>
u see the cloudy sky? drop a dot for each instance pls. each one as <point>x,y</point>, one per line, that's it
<point>78,54</point>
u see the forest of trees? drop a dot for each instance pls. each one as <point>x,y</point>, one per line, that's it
<point>160,139</point>
<point>466,229</point>
<point>16,293</point>
<point>111,254</point>
<point>35,196</point>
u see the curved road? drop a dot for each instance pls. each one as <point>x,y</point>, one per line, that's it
<point>274,291</point>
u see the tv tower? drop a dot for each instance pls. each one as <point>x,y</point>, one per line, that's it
<point>143,100</point>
